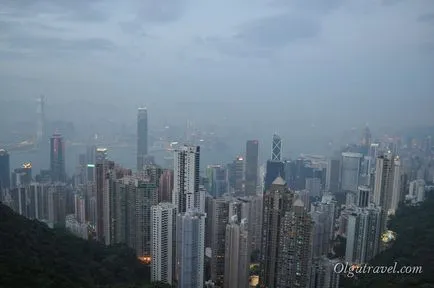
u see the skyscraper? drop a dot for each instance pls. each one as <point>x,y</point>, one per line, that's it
<point>250,208</point>
<point>56,203</point>
<point>189,199</point>
<point>251,169</point>
<point>333,175</point>
<point>165,186</point>
<point>5,171</point>
<point>91,154</point>
<point>142,137</point>
<point>416,191</point>
<point>373,154</point>
<point>236,176</point>
<point>57,158</point>
<point>313,185</point>
<point>273,170</point>
<point>323,273</point>
<point>220,218</point>
<point>40,132</point>
<point>217,177</point>
<point>323,216</point>
<point>294,258</point>
<point>101,189</point>
<point>350,171</point>
<point>237,254</point>
<point>22,175</point>
<point>186,194</point>
<point>363,196</point>
<point>162,242</point>
<point>365,141</point>
<point>276,148</point>
<point>363,234</point>
<point>190,249</point>
<point>396,186</point>
<point>383,187</point>
<point>277,201</point>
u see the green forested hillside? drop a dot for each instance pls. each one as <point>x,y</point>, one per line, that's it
<point>414,246</point>
<point>33,255</point>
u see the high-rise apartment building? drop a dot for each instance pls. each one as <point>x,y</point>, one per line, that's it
<point>219,215</point>
<point>57,158</point>
<point>416,191</point>
<point>323,273</point>
<point>101,187</point>
<point>142,137</point>
<point>186,194</point>
<point>396,185</point>
<point>295,243</point>
<point>363,234</point>
<point>323,217</point>
<point>163,231</point>
<point>383,187</point>
<point>165,186</point>
<point>56,204</point>
<point>190,250</point>
<point>363,196</point>
<point>5,171</point>
<point>250,208</point>
<point>189,200</point>
<point>237,254</point>
<point>278,200</point>
<point>251,167</point>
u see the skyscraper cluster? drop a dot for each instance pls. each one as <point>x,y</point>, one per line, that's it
<point>238,224</point>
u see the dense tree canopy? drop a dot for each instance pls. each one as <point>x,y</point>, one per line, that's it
<point>33,255</point>
<point>414,246</point>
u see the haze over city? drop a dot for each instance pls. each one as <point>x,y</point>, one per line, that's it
<point>216,144</point>
<point>306,69</point>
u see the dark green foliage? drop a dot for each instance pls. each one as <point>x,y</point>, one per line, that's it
<point>414,246</point>
<point>33,255</point>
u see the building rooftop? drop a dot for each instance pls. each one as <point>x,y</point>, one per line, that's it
<point>352,155</point>
<point>298,203</point>
<point>279,181</point>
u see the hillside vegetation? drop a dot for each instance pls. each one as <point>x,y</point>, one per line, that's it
<point>33,255</point>
<point>414,246</point>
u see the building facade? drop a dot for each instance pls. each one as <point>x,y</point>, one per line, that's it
<point>163,221</point>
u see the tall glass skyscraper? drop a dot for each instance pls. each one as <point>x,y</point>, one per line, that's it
<point>251,170</point>
<point>350,171</point>
<point>57,158</point>
<point>142,137</point>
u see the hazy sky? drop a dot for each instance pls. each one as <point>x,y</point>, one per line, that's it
<point>335,63</point>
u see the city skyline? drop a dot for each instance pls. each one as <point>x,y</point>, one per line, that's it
<point>184,60</point>
<point>216,144</point>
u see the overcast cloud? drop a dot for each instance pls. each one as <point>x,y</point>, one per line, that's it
<point>333,63</point>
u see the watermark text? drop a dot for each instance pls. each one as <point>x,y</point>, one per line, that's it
<point>350,270</point>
